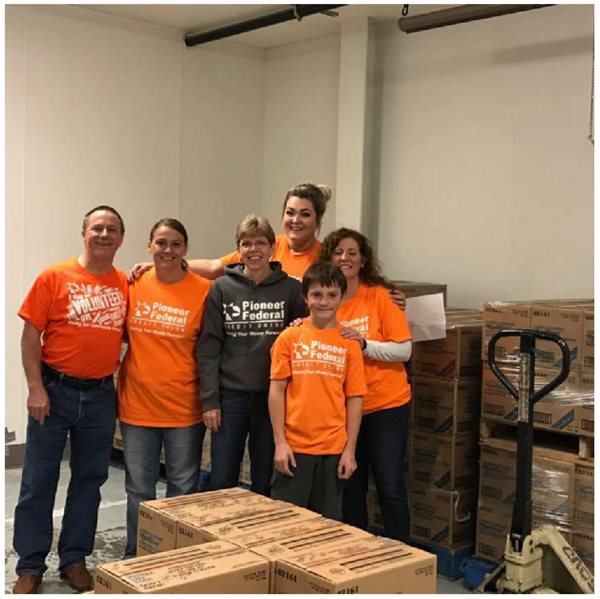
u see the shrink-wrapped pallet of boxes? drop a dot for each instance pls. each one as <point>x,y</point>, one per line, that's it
<point>563,423</point>
<point>554,493</point>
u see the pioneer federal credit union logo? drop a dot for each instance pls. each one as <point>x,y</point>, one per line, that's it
<point>254,318</point>
<point>316,357</point>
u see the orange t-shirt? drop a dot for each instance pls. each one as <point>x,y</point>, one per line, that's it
<point>81,316</point>
<point>375,316</point>
<point>158,382</point>
<point>323,369</point>
<point>293,263</point>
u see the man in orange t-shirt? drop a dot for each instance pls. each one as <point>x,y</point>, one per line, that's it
<point>70,347</point>
<point>315,400</point>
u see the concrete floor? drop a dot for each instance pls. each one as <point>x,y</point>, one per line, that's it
<point>110,538</point>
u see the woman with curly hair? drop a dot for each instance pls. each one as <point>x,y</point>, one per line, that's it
<point>373,320</point>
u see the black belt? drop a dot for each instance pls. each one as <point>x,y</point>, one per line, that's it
<point>74,381</point>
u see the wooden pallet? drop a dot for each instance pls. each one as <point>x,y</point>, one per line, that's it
<point>582,446</point>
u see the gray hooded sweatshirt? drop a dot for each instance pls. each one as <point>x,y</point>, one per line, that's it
<point>240,324</point>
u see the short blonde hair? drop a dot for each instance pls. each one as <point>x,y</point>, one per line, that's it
<point>254,226</point>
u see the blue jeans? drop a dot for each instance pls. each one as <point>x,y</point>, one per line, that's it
<point>243,414</point>
<point>381,446</point>
<point>141,449</point>
<point>88,419</point>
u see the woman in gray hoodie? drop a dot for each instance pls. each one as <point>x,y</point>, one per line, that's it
<point>245,312</point>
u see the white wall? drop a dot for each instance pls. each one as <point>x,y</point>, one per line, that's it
<point>103,110</point>
<point>486,178</point>
<point>300,135</point>
<point>222,134</point>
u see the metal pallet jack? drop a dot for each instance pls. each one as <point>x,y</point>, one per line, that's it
<point>521,570</point>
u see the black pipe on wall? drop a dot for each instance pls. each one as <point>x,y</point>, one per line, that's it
<point>296,13</point>
<point>461,14</point>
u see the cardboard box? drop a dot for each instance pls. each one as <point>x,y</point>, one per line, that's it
<point>464,314</point>
<point>445,462</point>
<point>583,517</point>
<point>493,524</point>
<point>587,341</point>
<point>369,565</point>
<point>289,539</point>
<point>217,567</point>
<point>565,322</point>
<point>442,517</point>
<point>157,522</point>
<point>553,480</point>
<point>564,317</point>
<point>417,289</point>
<point>225,523</point>
<point>499,316</point>
<point>276,543</point>
<point>445,407</point>
<point>584,412</point>
<point>458,355</point>
<point>556,411</point>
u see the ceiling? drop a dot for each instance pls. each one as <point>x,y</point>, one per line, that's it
<point>194,18</point>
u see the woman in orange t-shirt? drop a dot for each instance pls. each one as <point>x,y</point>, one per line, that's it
<point>372,319</point>
<point>159,405</point>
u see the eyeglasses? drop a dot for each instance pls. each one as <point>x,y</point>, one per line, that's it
<point>261,244</point>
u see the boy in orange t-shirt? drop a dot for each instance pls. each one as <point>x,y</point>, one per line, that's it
<point>315,400</point>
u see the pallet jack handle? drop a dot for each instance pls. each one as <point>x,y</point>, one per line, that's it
<point>526,397</point>
<point>528,347</point>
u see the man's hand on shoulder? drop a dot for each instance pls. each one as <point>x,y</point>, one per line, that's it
<point>138,270</point>
<point>399,298</point>
<point>38,404</point>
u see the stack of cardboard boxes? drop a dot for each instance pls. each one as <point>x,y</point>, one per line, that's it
<point>446,386</point>
<point>233,541</point>
<point>563,465</point>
